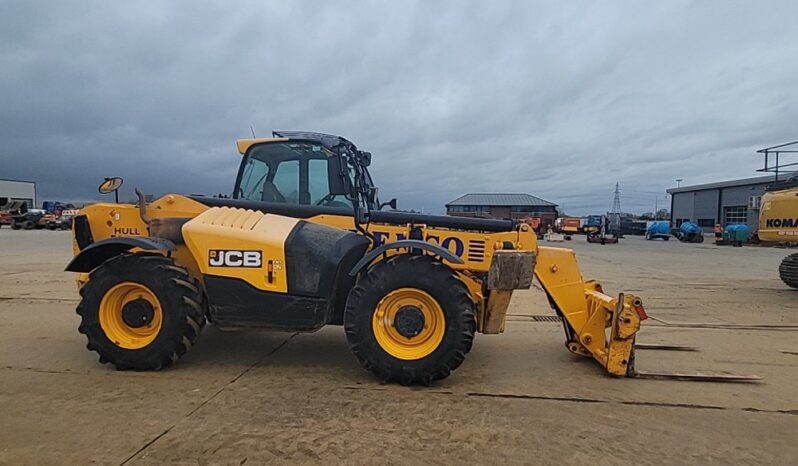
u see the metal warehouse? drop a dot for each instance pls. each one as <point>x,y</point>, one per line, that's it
<point>506,206</point>
<point>15,190</point>
<point>726,202</point>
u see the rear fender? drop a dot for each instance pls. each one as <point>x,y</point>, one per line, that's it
<point>96,253</point>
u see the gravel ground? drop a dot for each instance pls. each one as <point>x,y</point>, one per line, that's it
<point>256,397</point>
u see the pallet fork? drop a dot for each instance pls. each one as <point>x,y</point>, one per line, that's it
<point>600,326</point>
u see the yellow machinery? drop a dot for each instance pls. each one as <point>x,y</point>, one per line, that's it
<point>303,243</point>
<point>778,209</point>
<point>778,222</point>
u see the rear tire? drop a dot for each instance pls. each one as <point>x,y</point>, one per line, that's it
<point>118,288</point>
<point>440,343</point>
<point>788,270</point>
<point>15,225</point>
<point>28,225</point>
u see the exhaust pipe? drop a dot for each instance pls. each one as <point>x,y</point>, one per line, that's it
<point>142,207</point>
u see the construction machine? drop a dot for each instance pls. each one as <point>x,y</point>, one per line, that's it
<point>601,234</point>
<point>302,243</point>
<point>778,222</point>
<point>778,206</point>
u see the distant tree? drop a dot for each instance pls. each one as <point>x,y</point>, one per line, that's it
<point>663,214</point>
<point>647,216</point>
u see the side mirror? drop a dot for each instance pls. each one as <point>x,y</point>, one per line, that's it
<point>111,185</point>
<point>391,204</point>
<point>338,182</point>
<point>366,158</point>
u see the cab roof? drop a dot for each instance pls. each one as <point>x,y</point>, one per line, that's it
<point>327,140</point>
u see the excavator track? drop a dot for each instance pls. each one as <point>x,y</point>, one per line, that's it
<point>788,270</point>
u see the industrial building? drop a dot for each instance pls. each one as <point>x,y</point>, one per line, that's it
<point>15,190</point>
<point>726,202</point>
<point>506,206</point>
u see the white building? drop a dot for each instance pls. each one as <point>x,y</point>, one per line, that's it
<point>14,190</point>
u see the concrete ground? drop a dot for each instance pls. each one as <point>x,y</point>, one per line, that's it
<point>256,397</point>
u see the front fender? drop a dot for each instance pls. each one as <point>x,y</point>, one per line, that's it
<point>96,253</point>
<point>405,243</point>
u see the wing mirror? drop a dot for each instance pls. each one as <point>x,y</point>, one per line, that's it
<point>366,156</point>
<point>111,185</point>
<point>391,204</point>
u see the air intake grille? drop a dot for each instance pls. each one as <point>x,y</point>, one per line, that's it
<point>476,250</point>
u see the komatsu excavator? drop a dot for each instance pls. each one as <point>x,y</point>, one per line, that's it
<point>778,207</point>
<point>302,243</point>
<point>778,222</point>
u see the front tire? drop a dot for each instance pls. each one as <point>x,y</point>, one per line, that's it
<point>141,312</point>
<point>410,319</point>
<point>788,270</point>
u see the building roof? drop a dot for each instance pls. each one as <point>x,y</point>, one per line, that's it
<point>726,184</point>
<point>492,199</point>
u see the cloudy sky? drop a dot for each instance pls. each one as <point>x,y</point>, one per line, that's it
<point>556,99</point>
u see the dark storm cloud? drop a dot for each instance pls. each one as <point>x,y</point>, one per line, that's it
<point>558,99</point>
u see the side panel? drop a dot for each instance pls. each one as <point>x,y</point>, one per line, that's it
<point>236,303</point>
<point>778,220</point>
<point>242,244</point>
<point>475,248</point>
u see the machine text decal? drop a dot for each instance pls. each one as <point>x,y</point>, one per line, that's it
<point>234,258</point>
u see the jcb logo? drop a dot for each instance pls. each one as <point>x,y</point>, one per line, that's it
<point>234,258</point>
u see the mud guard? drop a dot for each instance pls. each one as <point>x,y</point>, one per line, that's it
<point>97,253</point>
<point>406,243</point>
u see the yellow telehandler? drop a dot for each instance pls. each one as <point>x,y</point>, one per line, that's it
<point>303,242</point>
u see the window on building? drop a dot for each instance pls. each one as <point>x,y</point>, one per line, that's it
<point>706,222</point>
<point>735,214</point>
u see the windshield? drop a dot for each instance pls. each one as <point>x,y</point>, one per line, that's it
<point>288,172</point>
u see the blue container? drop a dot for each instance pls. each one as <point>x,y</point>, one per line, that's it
<point>658,230</point>
<point>690,228</point>
<point>737,232</point>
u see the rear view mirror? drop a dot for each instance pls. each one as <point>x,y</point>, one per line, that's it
<point>391,204</point>
<point>336,178</point>
<point>111,185</point>
<point>366,158</point>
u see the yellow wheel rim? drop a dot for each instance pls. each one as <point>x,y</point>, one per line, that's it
<point>116,308</point>
<point>421,341</point>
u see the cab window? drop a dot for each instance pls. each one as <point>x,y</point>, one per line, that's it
<point>290,172</point>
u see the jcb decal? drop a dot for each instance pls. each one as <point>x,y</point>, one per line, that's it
<point>234,258</point>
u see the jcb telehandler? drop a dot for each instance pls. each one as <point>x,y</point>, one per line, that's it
<point>303,243</point>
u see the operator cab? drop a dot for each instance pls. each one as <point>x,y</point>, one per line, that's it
<point>290,172</point>
<point>306,169</point>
